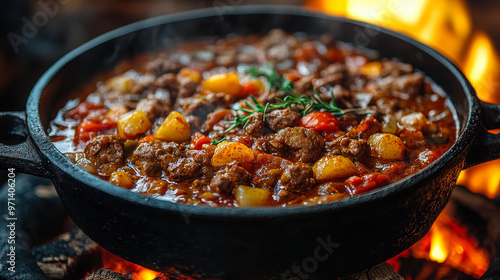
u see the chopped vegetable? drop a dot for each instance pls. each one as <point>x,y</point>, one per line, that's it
<point>320,121</point>
<point>356,185</point>
<point>333,167</point>
<point>174,128</point>
<point>122,179</point>
<point>386,146</point>
<point>227,152</point>
<point>133,124</point>
<point>191,73</point>
<point>198,141</point>
<point>372,69</point>
<point>88,129</point>
<point>146,139</point>
<point>225,82</point>
<point>253,87</point>
<point>248,196</point>
<point>121,84</point>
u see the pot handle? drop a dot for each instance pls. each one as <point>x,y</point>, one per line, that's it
<point>17,149</point>
<point>486,146</point>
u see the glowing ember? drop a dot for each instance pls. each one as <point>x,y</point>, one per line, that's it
<point>448,242</point>
<point>445,26</point>
<point>124,267</point>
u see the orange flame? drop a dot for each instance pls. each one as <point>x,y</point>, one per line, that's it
<point>448,242</point>
<point>446,26</point>
<point>122,266</point>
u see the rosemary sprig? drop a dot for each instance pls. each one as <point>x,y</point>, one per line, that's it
<point>301,104</point>
<point>218,142</point>
<point>274,80</point>
<point>293,101</point>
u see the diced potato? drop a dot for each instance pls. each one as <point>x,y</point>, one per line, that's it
<point>414,121</point>
<point>386,146</point>
<point>121,84</point>
<point>133,124</point>
<point>390,124</point>
<point>122,179</point>
<point>248,196</point>
<point>225,82</point>
<point>174,128</point>
<point>333,167</point>
<point>191,73</point>
<point>227,152</point>
<point>372,69</point>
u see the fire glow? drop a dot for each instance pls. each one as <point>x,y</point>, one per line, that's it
<point>447,27</point>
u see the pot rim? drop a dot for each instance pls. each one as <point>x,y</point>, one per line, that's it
<point>57,159</point>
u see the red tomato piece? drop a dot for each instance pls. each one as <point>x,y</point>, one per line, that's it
<point>356,185</point>
<point>88,129</point>
<point>146,139</point>
<point>320,121</point>
<point>249,89</point>
<point>198,141</point>
<point>83,110</point>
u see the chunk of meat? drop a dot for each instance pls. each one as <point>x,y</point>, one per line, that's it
<point>297,144</point>
<point>167,81</point>
<point>304,85</point>
<point>104,149</point>
<point>184,169</point>
<point>187,87</point>
<point>255,125</point>
<point>201,105</point>
<point>297,178</point>
<point>349,147</point>
<point>162,65</point>
<point>152,157</point>
<point>229,177</point>
<point>154,107</point>
<point>279,119</point>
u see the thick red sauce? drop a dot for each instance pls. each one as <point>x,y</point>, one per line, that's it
<point>250,121</point>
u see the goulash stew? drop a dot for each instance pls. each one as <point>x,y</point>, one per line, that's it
<point>262,120</point>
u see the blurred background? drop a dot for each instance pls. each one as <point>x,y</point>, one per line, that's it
<point>35,33</point>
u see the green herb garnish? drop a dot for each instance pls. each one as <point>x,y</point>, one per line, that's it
<point>218,142</point>
<point>293,101</point>
<point>274,80</point>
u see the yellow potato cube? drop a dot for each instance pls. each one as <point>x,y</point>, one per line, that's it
<point>191,73</point>
<point>133,124</point>
<point>333,167</point>
<point>248,196</point>
<point>174,128</point>
<point>121,84</point>
<point>386,146</point>
<point>225,82</point>
<point>227,152</point>
<point>372,69</point>
<point>122,179</point>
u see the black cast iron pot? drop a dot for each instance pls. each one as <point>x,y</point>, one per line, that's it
<point>303,242</point>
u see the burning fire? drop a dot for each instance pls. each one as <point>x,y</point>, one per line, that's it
<point>447,27</point>
<point>448,242</point>
<point>122,266</point>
